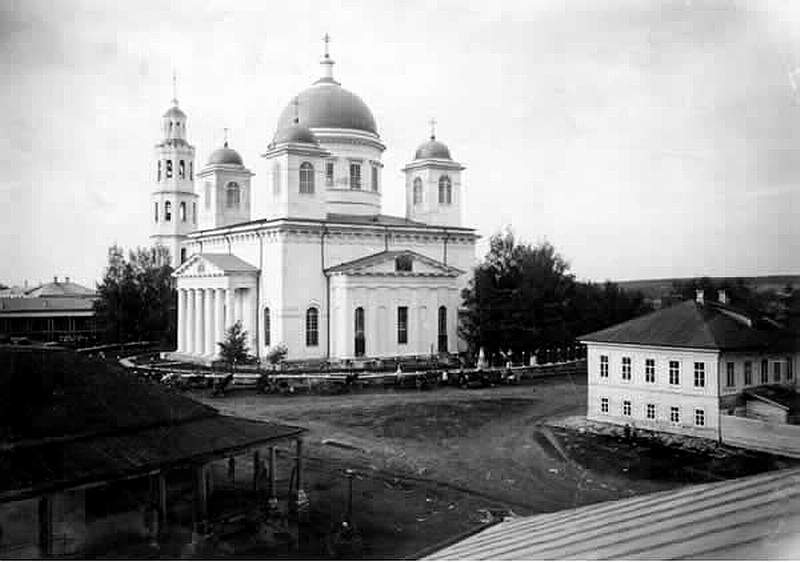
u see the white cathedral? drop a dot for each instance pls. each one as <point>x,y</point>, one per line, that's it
<point>306,258</point>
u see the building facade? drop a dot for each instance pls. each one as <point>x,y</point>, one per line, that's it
<point>305,258</point>
<point>679,369</point>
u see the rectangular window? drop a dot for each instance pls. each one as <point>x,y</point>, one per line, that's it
<point>626,368</point>
<point>156,210</point>
<point>651,412</point>
<point>194,212</point>
<point>789,369</point>
<point>169,169</point>
<point>626,408</point>
<point>730,374</point>
<point>699,375</point>
<point>776,371</point>
<point>208,195</point>
<point>182,169</point>
<point>402,324</point>
<point>674,372</point>
<point>604,405</point>
<point>675,414</point>
<point>604,366</point>
<point>374,178</point>
<point>748,373</point>
<point>764,371</point>
<point>699,417</point>
<point>649,370</point>
<point>355,175</point>
<point>328,173</point>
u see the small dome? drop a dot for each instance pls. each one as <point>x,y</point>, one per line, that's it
<point>225,155</point>
<point>175,111</point>
<point>433,149</point>
<point>295,133</point>
<point>327,105</point>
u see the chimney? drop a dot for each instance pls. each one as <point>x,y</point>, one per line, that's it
<point>700,296</point>
<point>66,279</point>
<point>722,296</point>
<point>55,278</point>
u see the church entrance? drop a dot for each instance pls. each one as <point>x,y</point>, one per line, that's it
<point>360,343</point>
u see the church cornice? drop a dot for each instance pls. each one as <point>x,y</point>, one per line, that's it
<point>433,163</point>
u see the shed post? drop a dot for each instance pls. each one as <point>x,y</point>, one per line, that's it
<point>200,499</point>
<point>272,500</point>
<point>45,526</point>
<point>301,499</point>
<point>256,469</point>
<point>162,500</point>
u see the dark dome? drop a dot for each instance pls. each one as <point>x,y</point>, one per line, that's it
<point>225,155</point>
<point>295,133</point>
<point>327,105</point>
<point>175,112</point>
<point>433,149</point>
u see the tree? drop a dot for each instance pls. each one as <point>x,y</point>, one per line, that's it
<point>136,299</point>
<point>234,349</point>
<point>523,297</point>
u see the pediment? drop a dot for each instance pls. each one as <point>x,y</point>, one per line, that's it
<point>213,265</point>
<point>404,263</point>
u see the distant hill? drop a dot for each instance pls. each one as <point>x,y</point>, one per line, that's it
<point>657,288</point>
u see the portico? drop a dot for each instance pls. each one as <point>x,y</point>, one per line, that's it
<point>214,292</point>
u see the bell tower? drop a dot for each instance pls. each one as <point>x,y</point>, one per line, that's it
<point>174,202</point>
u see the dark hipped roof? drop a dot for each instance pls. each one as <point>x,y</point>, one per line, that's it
<point>694,325</point>
<point>46,305</point>
<point>66,420</point>
<point>61,289</point>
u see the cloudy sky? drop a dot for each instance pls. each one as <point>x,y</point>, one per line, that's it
<point>643,139</point>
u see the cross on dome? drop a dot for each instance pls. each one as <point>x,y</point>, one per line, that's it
<point>327,39</point>
<point>432,123</point>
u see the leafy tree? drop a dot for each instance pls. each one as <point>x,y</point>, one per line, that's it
<point>136,299</point>
<point>277,354</point>
<point>234,349</point>
<point>523,297</point>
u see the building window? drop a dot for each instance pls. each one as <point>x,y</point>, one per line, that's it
<point>168,173</point>
<point>675,414</point>
<point>191,170</point>
<point>355,175</point>
<point>730,374</point>
<point>674,372</point>
<point>626,368</point>
<point>604,405</point>
<point>182,211</point>
<point>626,408</point>
<point>267,327</point>
<point>182,169</point>
<point>445,191</point>
<point>306,178</point>
<point>699,375</point>
<point>374,178</point>
<point>207,189</point>
<point>417,192</point>
<point>183,255</point>
<point>155,216</point>
<point>233,195</point>
<point>159,170</point>
<point>194,212</point>
<point>328,173</point>
<point>699,417</point>
<point>167,211</point>
<point>748,373</point>
<point>442,329</point>
<point>276,178</point>
<point>776,371</point>
<point>604,366</point>
<point>650,412</point>
<point>360,339</point>
<point>402,324</point>
<point>789,369</point>
<point>764,371</point>
<point>649,370</point>
<point>312,327</point>
<point>403,263</point>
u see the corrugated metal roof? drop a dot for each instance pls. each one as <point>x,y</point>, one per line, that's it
<point>61,289</point>
<point>752,517</point>
<point>694,325</point>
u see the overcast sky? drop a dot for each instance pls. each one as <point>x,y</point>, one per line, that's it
<point>643,139</point>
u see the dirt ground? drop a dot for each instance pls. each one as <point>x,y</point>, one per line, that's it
<point>430,464</point>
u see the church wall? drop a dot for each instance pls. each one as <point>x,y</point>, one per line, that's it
<point>340,197</point>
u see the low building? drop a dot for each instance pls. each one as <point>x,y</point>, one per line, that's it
<point>61,311</point>
<point>94,460</point>
<point>679,368</point>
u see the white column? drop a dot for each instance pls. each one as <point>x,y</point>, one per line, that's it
<point>248,320</point>
<point>253,315</point>
<point>230,315</point>
<point>211,345</point>
<point>181,344</point>
<point>190,320</point>
<point>219,315</point>
<point>199,323</point>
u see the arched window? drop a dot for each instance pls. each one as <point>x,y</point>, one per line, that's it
<point>182,211</point>
<point>374,178</point>
<point>276,178</point>
<point>182,169</point>
<point>183,255</point>
<point>169,169</point>
<point>159,170</point>
<point>191,170</point>
<point>194,212</point>
<point>156,212</point>
<point>167,211</point>
<point>306,178</point>
<point>312,326</point>
<point>445,191</point>
<point>442,329</point>
<point>232,195</point>
<point>267,327</point>
<point>360,338</point>
<point>417,191</point>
